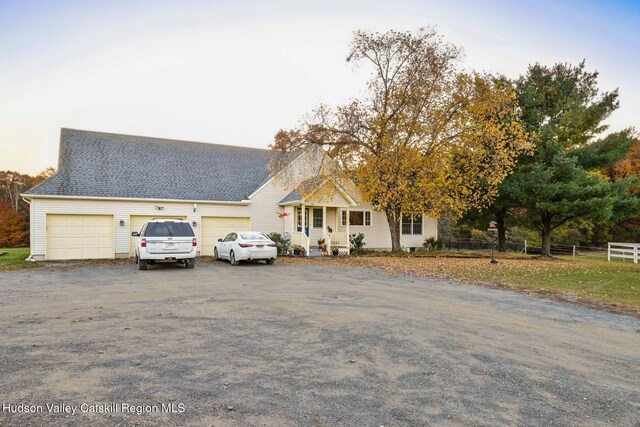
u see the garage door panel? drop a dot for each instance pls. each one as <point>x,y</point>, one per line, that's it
<point>104,241</point>
<point>136,222</point>
<point>214,228</point>
<point>56,242</point>
<point>55,253</point>
<point>56,228</point>
<point>72,242</point>
<point>79,236</point>
<point>74,253</point>
<point>104,252</point>
<point>56,220</point>
<point>72,230</point>
<point>89,231</point>
<point>91,253</point>
<point>73,220</point>
<point>89,242</point>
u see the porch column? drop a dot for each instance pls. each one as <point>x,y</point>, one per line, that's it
<point>305,240</point>
<point>348,245</point>
<point>324,220</point>
<point>324,228</point>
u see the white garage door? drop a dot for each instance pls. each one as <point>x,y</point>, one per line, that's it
<point>214,228</point>
<point>137,221</point>
<point>79,236</point>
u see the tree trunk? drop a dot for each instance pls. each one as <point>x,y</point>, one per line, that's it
<point>393,218</point>
<point>502,232</point>
<point>546,236</point>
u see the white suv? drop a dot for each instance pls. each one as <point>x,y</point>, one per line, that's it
<point>165,240</point>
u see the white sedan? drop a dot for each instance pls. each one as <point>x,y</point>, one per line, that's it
<point>246,246</point>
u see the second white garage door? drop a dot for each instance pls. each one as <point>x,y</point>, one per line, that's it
<point>79,236</point>
<point>136,223</point>
<point>214,228</point>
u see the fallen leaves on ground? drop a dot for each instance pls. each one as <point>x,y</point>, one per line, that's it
<point>599,283</point>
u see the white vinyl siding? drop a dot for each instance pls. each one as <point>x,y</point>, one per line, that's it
<point>262,210</point>
<point>377,236</point>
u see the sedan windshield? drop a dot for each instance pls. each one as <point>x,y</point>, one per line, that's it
<point>169,229</point>
<point>253,236</point>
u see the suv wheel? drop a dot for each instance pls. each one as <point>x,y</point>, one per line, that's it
<point>191,263</point>
<point>142,264</point>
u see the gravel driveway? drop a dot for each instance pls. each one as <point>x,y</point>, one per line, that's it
<point>305,345</point>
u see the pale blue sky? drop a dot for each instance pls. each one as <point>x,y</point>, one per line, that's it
<point>235,72</point>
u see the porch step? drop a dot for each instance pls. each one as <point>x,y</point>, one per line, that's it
<point>315,252</point>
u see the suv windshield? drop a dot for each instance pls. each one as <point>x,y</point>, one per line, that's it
<point>168,229</point>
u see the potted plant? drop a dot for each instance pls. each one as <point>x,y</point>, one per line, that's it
<point>298,250</point>
<point>334,251</point>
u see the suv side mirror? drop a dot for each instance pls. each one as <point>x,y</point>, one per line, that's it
<point>135,234</point>
<point>219,240</point>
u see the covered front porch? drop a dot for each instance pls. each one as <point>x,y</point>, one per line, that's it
<point>319,216</point>
<point>312,223</point>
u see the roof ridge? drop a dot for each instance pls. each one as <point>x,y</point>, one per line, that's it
<point>163,140</point>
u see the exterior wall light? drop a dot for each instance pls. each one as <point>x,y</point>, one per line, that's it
<point>195,224</point>
<point>122,223</point>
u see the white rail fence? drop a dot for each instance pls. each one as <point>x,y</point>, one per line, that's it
<point>339,239</point>
<point>624,251</point>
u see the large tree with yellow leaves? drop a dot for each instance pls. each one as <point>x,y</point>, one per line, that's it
<point>425,137</point>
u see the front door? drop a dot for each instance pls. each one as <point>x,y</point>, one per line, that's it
<point>306,221</point>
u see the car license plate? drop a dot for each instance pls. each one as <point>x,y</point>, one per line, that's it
<point>259,246</point>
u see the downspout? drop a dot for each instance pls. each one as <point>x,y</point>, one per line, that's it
<point>30,257</point>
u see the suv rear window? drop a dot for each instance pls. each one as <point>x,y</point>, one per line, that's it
<point>168,229</point>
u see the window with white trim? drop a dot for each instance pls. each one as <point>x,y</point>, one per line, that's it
<point>412,224</point>
<point>317,218</point>
<point>362,218</point>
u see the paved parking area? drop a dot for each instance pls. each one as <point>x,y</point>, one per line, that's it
<point>305,345</point>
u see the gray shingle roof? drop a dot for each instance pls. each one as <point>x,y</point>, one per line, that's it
<point>294,196</point>
<point>96,164</point>
<point>307,186</point>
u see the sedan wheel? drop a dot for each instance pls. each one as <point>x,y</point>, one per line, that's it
<point>232,258</point>
<point>215,254</point>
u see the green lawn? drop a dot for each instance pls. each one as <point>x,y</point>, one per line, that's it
<point>14,259</point>
<point>611,283</point>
